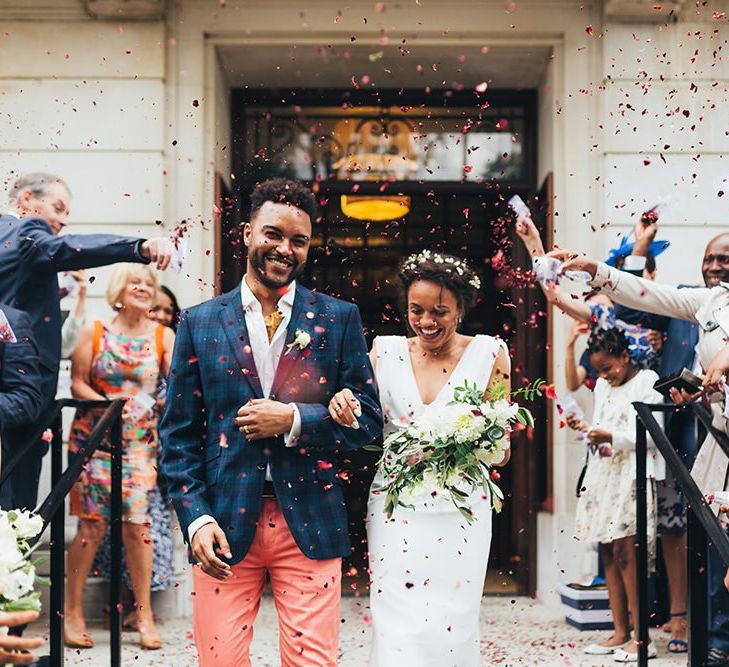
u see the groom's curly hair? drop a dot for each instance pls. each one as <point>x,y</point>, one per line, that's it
<point>284,191</point>
<point>449,271</point>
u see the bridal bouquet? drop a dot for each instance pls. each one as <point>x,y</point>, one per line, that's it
<point>450,450</point>
<point>17,572</point>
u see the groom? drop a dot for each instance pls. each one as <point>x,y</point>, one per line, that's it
<point>249,450</point>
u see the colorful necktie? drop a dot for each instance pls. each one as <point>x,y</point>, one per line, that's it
<point>272,322</point>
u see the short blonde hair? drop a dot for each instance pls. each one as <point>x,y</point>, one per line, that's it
<point>120,278</point>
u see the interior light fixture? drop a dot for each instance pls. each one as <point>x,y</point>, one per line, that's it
<point>377,208</point>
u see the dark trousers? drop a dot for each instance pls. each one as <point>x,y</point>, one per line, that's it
<point>718,601</point>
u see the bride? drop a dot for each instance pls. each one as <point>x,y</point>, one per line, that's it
<point>428,565</point>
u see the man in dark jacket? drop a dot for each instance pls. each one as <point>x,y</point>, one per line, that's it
<point>31,254</point>
<point>20,397</point>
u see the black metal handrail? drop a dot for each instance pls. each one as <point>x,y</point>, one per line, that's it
<point>702,523</point>
<point>52,511</point>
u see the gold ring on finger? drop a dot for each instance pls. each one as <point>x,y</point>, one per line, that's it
<point>199,564</point>
<point>245,429</point>
<point>338,408</point>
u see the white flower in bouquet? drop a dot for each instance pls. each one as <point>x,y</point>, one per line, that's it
<point>500,412</point>
<point>15,583</point>
<point>449,450</point>
<point>17,572</point>
<point>26,523</point>
<point>10,554</point>
<point>428,487</point>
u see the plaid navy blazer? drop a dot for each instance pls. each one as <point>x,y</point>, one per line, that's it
<point>211,468</point>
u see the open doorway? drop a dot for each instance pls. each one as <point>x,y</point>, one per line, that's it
<point>456,203</point>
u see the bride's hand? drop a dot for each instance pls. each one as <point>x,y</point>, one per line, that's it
<point>345,408</point>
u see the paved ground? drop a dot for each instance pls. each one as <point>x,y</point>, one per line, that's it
<point>515,632</point>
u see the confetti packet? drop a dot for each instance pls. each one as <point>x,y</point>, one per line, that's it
<point>572,409</point>
<point>547,270</point>
<point>518,206</point>
<point>161,393</point>
<point>67,285</point>
<point>7,335</point>
<point>139,405</point>
<point>180,254</point>
<point>718,497</point>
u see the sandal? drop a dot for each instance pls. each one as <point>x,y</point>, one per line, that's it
<point>676,644</point>
<point>625,656</point>
<point>599,649</point>
<point>149,638</point>
<point>81,641</point>
<point>150,641</point>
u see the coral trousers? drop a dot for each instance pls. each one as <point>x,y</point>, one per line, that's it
<point>306,593</point>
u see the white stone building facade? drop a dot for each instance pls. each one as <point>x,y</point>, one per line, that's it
<point>129,101</point>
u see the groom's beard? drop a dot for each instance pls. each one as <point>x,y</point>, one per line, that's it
<point>258,262</point>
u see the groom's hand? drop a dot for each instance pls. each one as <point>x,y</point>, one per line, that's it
<point>203,549</point>
<point>263,418</point>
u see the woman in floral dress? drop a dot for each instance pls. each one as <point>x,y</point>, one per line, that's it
<point>125,357</point>
<point>165,311</point>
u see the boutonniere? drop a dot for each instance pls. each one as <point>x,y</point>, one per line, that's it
<point>302,340</point>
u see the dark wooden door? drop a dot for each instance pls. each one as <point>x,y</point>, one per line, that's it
<point>531,461</point>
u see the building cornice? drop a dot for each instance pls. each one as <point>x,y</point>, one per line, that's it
<point>43,10</point>
<point>126,10</point>
<point>643,11</point>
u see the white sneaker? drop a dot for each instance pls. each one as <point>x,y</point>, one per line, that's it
<point>597,649</point>
<point>624,656</point>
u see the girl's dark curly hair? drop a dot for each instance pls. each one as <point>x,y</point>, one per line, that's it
<point>451,272</point>
<point>611,341</point>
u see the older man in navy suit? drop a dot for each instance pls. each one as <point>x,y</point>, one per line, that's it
<point>31,254</point>
<point>249,450</point>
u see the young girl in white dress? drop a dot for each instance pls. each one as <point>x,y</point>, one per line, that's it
<point>428,565</point>
<point>606,507</point>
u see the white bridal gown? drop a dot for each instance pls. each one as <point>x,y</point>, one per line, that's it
<point>428,565</point>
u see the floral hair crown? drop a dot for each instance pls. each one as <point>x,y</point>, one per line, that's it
<point>449,264</point>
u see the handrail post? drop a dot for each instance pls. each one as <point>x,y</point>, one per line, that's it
<point>641,487</point>
<point>58,552</point>
<point>115,610</point>
<point>697,589</point>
